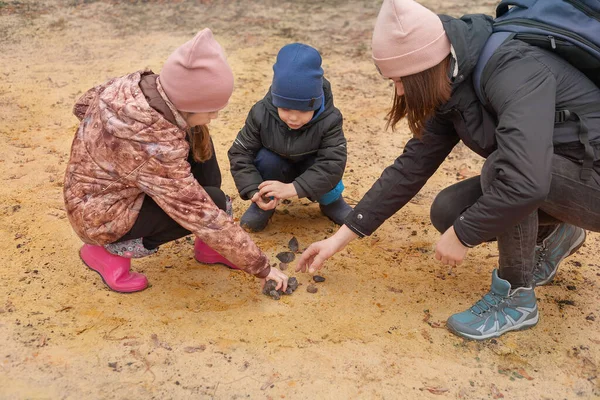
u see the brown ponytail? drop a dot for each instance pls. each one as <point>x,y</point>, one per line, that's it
<point>200,143</point>
<point>423,93</point>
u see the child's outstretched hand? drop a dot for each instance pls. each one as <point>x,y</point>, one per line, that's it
<point>316,254</point>
<point>277,189</point>
<point>277,276</point>
<point>263,202</point>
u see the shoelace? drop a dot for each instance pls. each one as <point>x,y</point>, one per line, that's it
<point>541,255</point>
<point>484,305</point>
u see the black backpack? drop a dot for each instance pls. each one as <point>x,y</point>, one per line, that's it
<point>569,28</point>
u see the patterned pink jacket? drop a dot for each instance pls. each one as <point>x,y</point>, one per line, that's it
<point>125,150</point>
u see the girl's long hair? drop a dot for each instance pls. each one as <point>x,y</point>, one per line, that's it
<point>423,93</point>
<point>200,143</point>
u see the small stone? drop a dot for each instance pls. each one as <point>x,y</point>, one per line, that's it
<point>571,287</point>
<point>312,289</point>
<point>289,290</point>
<point>112,365</point>
<point>275,294</point>
<point>318,278</point>
<point>293,283</point>
<point>286,257</point>
<point>269,286</point>
<point>591,317</point>
<point>293,244</point>
<point>283,266</point>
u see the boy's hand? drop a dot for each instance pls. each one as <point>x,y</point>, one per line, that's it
<point>277,189</point>
<point>264,202</point>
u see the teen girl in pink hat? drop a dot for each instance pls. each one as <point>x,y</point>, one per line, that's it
<point>143,171</point>
<point>530,195</point>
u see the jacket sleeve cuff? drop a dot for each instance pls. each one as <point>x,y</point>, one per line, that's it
<point>352,221</point>
<point>250,194</point>
<point>459,231</point>
<point>301,193</point>
<point>264,273</point>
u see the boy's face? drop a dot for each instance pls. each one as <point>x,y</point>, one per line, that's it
<point>295,119</point>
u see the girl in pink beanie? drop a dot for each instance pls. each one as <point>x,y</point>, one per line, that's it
<point>531,196</point>
<point>143,171</point>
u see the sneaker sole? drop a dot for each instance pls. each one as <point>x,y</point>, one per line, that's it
<point>576,246</point>
<point>106,284</point>
<point>525,325</point>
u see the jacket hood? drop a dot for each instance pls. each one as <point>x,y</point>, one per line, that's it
<point>329,107</point>
<point>467,35</point>
<point>125,112</point>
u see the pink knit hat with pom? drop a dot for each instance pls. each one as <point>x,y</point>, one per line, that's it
<point>196,77</point>
<point>408,38</point>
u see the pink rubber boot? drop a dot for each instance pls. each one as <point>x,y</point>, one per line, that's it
<point>114,270</point>
<point>206,255</point>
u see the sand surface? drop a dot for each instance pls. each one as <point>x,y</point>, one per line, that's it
<point>374,330</point>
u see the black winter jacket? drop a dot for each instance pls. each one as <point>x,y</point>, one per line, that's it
<point>322,137</point>
<point>524,86</point>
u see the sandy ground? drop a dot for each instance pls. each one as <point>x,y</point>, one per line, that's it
<point>374,329</point>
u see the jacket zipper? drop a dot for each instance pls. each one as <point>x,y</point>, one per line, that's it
<point>526,22</point>
<point>587,10</point>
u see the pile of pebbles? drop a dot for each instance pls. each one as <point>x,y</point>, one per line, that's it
<point>270,286</point>
<point>285,258</point>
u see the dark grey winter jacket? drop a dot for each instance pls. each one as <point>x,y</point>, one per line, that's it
<point>322,138</point>
<point>524,87</point>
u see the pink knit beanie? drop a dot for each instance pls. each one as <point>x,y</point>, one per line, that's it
<point>196,77</point>
<point>408,38</point>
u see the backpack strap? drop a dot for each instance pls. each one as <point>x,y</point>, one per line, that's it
<point>588,158</point>
<point>495,40</point>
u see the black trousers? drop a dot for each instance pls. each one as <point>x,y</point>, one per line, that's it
<point>156,227</point>
<point>570,200</point>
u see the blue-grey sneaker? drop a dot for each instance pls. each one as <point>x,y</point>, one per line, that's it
<point>500,311</point>
<point>561,243</point>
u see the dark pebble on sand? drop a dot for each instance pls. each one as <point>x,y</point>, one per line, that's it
<point>289,290</point>
<point>312,289</point>
<point>318,278</point>
<point>275,294</point>
<point>269,286</point>
<point>293,244</point>
<point>286,257</point>
<point>283,266</point>
<point>571,287</point>
<point>293,283</point>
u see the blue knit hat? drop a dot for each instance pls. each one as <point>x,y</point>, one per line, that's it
<point>298,78</point>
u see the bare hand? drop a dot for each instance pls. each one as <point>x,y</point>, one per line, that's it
<point>277,189</point>
<point>449,250</point>
<point>264,203</point>
<point>317,253</point>
<point>277,276</point>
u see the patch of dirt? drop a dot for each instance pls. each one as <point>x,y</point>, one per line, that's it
<point>375,328</point>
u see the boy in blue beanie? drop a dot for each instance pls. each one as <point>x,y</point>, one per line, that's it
<point>292,143</point>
